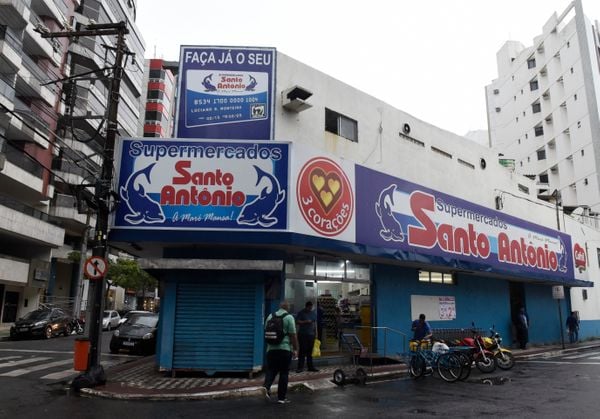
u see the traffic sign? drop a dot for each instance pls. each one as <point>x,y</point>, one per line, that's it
<point>95,267</point>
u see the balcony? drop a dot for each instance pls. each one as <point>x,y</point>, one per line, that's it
<point>7,97</point>
<point>18,219</point>
<point>22,177</point>
<point>14,270</point>
<point>29,82</point>
<point>34,44</point>
<point>64,207</point>
<point>10,60</point>
<point>27,126</point>
<point>47,8</point>
<point>14,13</point>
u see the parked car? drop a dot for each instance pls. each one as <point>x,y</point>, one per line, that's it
<point>110,320</point>
<point>42,323</point>
<point>137,334</point>
<point>128,314</point>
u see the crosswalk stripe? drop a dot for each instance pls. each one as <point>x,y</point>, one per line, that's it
<point>22,371</point>
<point>66,373</point>
<point>23,361</point>
<point>35,351</point>
<point>60,374</point>
<point>9,357</point>
<point>585,355</point>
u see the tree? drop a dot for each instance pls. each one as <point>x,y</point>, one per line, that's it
<point>126,273</point>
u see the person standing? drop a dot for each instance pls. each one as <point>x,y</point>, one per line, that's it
<point>279,356</point>
<point>306,320</point>
<point>421,329</point>
<point>573,327</point>
<point>522,324</point>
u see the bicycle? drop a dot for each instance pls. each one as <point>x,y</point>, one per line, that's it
<point>448,365</point>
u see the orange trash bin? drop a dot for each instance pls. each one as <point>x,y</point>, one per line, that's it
<point>81,354</point>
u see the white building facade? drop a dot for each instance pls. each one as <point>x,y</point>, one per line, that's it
<point>543,109</point>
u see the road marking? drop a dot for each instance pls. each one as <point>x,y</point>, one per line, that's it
<point>60,374</point>
<point>36,351</point>
<point>589,354</point>
<point>66,373</point>
<point>23,361</point>
<point>10,357</point>
<point>559,362</point>
<point>22,371</point>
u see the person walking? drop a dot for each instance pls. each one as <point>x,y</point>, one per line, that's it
<point>279,356</point>
<point>306,319</point>
<point>573,327</point>
<point>522,324</point>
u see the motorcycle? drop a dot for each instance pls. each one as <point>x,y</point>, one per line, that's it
<point>483,357</point>
<point>503,357</point>
<point>77,326</point>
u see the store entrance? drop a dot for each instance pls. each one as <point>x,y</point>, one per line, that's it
<point>342,307</point>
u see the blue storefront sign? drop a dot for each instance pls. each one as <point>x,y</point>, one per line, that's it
<point>198,184</point>
<point>226,93</point>
<point>423,224</point>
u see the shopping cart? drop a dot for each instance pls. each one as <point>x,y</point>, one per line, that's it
<point>354,374</point>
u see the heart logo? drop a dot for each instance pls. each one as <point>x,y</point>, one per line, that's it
<point>327,188</point>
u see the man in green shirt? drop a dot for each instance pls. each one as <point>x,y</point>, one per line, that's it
<point>279,357</point>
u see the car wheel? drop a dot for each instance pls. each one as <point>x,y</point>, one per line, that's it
<point>48,332</point>
<point>68,330</point>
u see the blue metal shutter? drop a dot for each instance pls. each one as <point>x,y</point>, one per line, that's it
<point>215,326</point>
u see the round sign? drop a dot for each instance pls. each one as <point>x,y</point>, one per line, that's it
<point>95,267</point>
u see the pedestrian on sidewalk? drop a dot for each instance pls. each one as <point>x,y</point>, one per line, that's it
<point>307,326</point>
<point>522,325</point>
<point>421,328</point>
<point>573,327</point>
<point>279,356</point>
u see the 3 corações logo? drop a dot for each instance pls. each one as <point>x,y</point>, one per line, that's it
<point>325,196</point>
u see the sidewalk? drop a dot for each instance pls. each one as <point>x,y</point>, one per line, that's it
<point>138,380</point>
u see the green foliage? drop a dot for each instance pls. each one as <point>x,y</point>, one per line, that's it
<point>127,273</point>
<point>74,256</point>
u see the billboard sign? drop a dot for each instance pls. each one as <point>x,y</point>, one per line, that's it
<point>393,213</point>
<point>201,184</point>
<point>226,93</point>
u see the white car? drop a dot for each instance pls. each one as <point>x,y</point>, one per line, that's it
<point>131,313</point>
<point>110,320</point>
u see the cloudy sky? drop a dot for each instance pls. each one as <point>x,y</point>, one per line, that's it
<point>430,58</point>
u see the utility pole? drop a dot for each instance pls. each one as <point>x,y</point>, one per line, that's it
<point>102,194</point>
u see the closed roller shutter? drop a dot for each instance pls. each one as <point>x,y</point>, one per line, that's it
<point>215,326</point>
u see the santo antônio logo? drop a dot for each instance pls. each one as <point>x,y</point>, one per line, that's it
<point>325,196</point>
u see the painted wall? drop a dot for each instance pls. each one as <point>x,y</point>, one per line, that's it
<point>484,301</point>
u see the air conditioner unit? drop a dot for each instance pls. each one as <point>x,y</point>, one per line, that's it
<point>294,99</point>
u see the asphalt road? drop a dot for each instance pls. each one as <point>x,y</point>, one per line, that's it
<point>559,387</point>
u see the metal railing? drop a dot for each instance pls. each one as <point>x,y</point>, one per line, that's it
<point>386,330</point>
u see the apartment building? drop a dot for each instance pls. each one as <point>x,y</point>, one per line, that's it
<point>52,125</point>
<point>543,112</point>
<point>158,98</point>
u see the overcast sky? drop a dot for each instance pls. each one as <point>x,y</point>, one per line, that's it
<point>430,58</point>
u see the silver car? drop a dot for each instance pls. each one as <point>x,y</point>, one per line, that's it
<point>110,320</point>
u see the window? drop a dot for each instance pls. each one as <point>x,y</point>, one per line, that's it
<point>541,154</point>
<point>517,118</point>
<point>582,152</point>
<point>533,85</point>
<point>515,98</point>
<point>568,44</point>
<point>156,74</point>
<point>153,116</point>
<point>571,70</point>
<point>526,136</point>
<point>539,131</point>
<point>575,97</point>
<point>467,164</point>
<point>496,91</point>
<point>523,113</point>
<point>436,277</point>
<point>578,124</point>
<point>528,159</point>
<point>519,141</point>
<point>521,163</point>
<point>585,181</point>
<point>523,189</point>
<point>441,152</point>
<point>498,110</point>
<point>155,94</point>
<point>544,178</point>
<point>341,125</point>
<point>531,63</point>
<point>536,107</point>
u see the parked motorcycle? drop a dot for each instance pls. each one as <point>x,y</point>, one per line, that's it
<point>483,357</point>
<point>503,357</point>
<point>77,326</point>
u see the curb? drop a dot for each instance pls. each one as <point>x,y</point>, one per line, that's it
<point>310,385</point>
